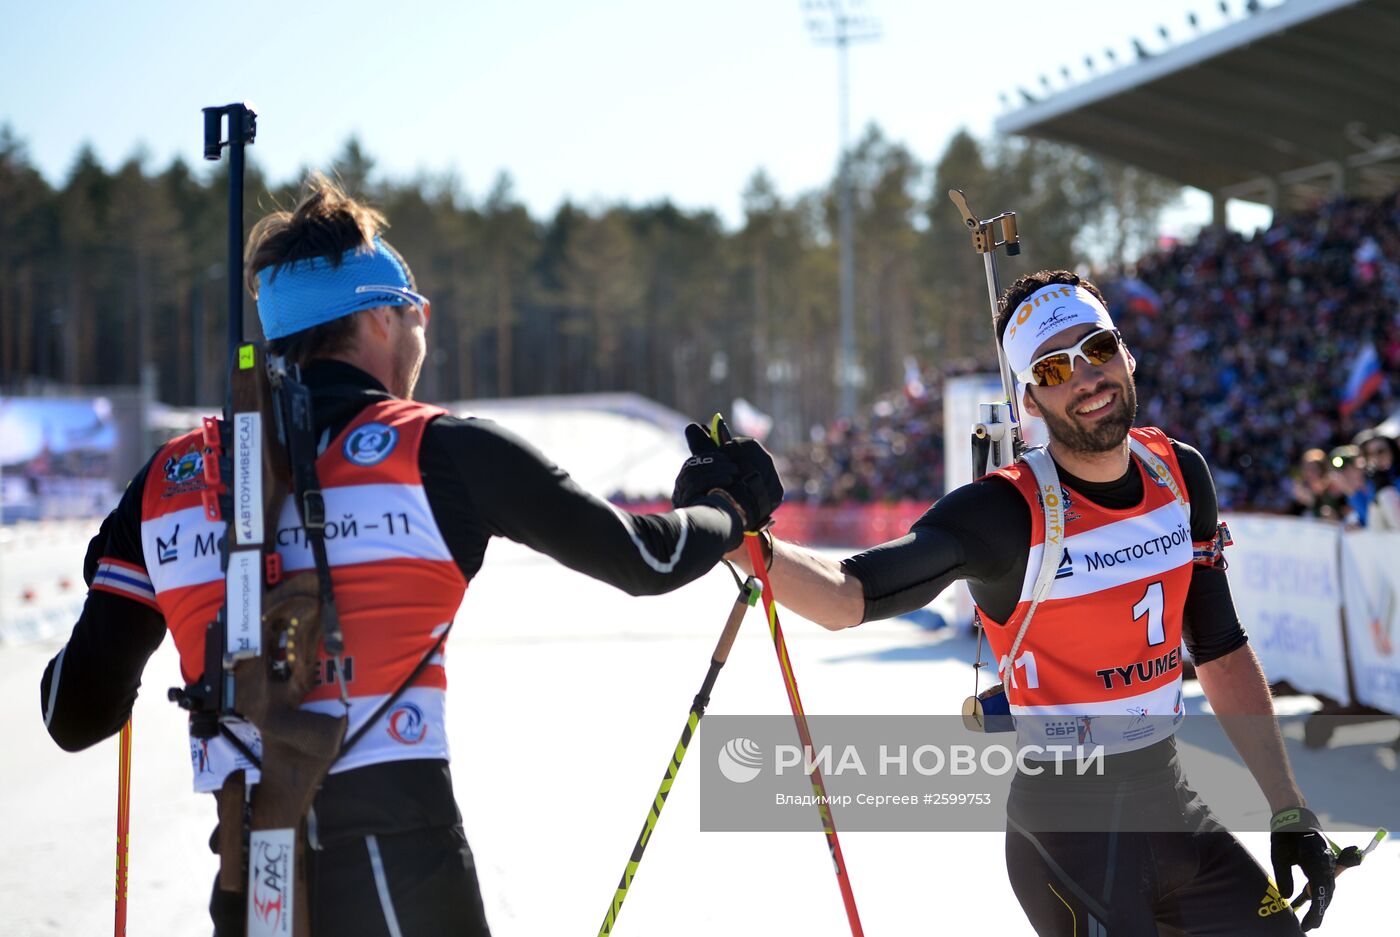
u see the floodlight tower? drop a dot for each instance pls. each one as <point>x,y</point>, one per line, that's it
<point>840,23</point>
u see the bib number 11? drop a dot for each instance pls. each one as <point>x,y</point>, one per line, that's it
<point>1152,605</point>
<point>1025,662</point>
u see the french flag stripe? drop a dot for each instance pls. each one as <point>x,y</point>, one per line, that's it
<point>123,564</point>
<point>126,592</point>
<point>124,580</point>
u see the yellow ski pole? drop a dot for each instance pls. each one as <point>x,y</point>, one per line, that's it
<point>748,595</point>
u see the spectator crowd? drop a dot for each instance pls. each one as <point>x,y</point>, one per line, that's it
<point>892,453</point>
<point>1246,346</point>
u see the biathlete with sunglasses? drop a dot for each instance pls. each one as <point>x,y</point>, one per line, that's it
<point>1139,567</point>
<point>414,494</point>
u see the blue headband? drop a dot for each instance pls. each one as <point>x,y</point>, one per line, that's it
<point>306,293</point>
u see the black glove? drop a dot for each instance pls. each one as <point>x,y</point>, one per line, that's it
<point>741,468</point>
<point>1297,840</point>
<point>705,470</point>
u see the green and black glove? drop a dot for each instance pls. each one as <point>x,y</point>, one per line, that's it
<point>1296,839</point>
<point>740,467</point>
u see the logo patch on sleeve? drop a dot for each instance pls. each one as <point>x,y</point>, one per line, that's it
<point>183,473</point>
<point>370,444</point>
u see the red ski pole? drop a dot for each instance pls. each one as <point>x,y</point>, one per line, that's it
<point>799,715</point>
<point>123,824</point>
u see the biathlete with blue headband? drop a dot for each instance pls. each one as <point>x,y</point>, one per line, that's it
<point>1086,587</point>
<point>413,496</point>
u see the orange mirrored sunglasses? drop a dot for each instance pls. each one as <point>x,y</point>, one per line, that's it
<point>1057,367</point>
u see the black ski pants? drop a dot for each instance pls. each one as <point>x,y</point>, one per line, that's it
<point>1202,884</point>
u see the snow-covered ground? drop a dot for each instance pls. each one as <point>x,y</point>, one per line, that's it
<point>566,701</point>
<point>41,578</point>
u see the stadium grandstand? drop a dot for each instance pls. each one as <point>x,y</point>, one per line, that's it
<point>1289,105</point>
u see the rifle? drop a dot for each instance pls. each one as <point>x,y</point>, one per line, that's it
<point>260,650</point>
<point>996,437</point>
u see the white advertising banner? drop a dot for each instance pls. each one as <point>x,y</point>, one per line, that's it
<point>1287,586</point>
<point>1371,582</point>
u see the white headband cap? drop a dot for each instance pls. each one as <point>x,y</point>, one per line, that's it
<point>1044,314</point>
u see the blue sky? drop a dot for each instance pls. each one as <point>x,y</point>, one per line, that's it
<point>600,101</point>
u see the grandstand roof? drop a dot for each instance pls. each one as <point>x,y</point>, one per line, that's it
<point>1278,107</point>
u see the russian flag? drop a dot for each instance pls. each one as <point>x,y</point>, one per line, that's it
<point>1138,297</point>
<point>913,379</point>
<point>1363,382</point>
<point>749,420</point>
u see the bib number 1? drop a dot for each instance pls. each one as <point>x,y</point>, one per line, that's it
<point>1152,604</point>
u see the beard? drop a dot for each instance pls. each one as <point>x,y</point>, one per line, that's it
<point>1102,435</point>
<point>408,364</point>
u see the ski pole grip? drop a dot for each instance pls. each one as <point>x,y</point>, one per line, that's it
<point>736,618</point>
<point>719,430</point>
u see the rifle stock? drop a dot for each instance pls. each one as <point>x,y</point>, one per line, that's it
<point>298,746</point>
